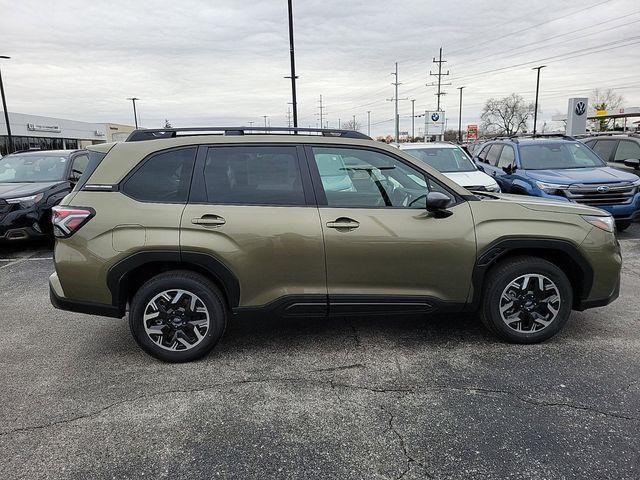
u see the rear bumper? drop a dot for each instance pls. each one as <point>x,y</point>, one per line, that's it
<point>60,302</point>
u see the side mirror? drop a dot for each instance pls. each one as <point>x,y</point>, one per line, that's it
<point>509,169</point>
<point>480,167</point>
<point>75,176</point>
<point>437,203</point>
<point>632,162</point>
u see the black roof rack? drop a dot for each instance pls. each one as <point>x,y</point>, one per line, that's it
<point>609,134</point>
<point>156,133</point>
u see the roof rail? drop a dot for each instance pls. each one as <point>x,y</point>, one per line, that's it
<point>609,134</point>
<point>157,133</point>
<point>546,135</point>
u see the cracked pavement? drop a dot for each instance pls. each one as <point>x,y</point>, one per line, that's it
<point>345,398</point>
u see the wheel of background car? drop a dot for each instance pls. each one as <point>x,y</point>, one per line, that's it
<point>178,316</point>
<point>526,300</point>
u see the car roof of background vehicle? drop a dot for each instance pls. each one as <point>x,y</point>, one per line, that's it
<point>410,146</point>
<point>45,153</point>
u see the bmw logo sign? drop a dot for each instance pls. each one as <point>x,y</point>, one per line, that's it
<point>435,116</point>
<point>601,188</point>
<point>580,108</point>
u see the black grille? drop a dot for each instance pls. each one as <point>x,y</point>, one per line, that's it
<point>603,194</point>
<point>477,188</point>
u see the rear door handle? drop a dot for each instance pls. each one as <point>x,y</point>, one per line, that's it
<point>343,222</point>
<point>209,221</point>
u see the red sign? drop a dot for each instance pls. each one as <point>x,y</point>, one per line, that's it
<point>472,132</point>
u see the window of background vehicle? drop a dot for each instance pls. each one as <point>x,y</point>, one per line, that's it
<point>374,179</point>
<point>94,160</point>
<point>494,154</point>
<point>507,157</point>
<point>268,175</point>
<point>558,156</point>
<point>627,150</point>
<point>80,163</point>
<point>447,159</point>
<point>33,168</point>
<point>604,148</point>
<point>163,178</point>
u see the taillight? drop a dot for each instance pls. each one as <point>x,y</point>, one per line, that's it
<point>68,220</point>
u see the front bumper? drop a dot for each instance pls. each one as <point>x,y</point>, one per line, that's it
<point>626,212</point>
<point>25,224</point>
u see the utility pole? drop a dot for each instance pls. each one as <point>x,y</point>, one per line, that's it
<point>460,117</point>
<point>369,123</point>
<point>265,121</point>
<point>413,118</point>
<point>439,75</point>
<point>250,123</point>
<point>396,118</point>
<point>535,111</point>
<point>6,112</point>
<point>135,114</point>
<point>293,77</point>
<point>289,117</point>
<point>339,124</point>
<point>321,108</point>
<point>354,123</point>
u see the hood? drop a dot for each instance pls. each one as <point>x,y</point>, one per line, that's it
<point>471,179</point>
<point>547,205</point>
<point>570,176</point>
<point>13,190</point>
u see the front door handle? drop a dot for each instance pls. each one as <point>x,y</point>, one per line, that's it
<point>209,221</point>
<point>344,222</point>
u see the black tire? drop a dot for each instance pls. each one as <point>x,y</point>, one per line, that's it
<point>194,283</point>
<point>622,226</point>
<point>505,272</point>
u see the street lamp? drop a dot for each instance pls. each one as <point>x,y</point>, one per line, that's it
<point>6,112</point>
<point>535,111</point>
<point>135,114</point>
<point>460,117</point>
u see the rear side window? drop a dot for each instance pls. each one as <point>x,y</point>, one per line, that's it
<point>164,177</point>
<point>261,175</point>
<point>94,160</point>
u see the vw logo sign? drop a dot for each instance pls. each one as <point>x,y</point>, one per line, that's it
<point>580,108</point>
<point>601,188</point>
<point>435,116</point>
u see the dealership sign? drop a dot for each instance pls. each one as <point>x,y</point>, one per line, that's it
<point>434,123</point>
<point>472,132</point>
<point>35,127</point>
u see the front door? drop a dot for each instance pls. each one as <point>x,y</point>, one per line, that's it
<point>384,251</point>
<point>251,207</point>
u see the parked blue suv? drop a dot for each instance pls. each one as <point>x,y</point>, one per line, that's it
<point>561,169</point>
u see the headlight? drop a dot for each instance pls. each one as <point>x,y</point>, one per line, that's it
<point>636,183</point>
<point>551,187</point>
<point>607,223</point>
<point>494,188</point>
<point>26,201</point>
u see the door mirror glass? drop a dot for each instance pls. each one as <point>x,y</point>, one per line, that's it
<point>437,202</point>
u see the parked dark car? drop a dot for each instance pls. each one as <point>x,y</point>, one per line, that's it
<point>30,184</point>
<point>617,148</point>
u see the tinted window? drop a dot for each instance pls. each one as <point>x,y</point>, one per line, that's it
<point>254,175</point>
<point>507,157</point>
<point>604,148</point>
<point>80,163</point>
<point>443,159</point>
<point>365,178</point>
<point>33,168</point>
<point>627,149</point>
<point>558,156</point>
<point>164,177</point>
<point>494,153</point>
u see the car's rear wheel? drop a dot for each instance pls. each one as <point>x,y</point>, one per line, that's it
<point>526,300</point>
<point>622,226</point>
<point>178,316</point>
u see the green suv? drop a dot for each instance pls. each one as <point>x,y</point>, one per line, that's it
<point>185,228</point>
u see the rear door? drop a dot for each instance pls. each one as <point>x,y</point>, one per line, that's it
<point>252,208</point>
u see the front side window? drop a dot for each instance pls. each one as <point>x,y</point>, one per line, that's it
<point>507,157</point>
<point>260,175</point>
<point>560,155</point>
<point>494,154</point>
<point>33,168</point>
<point>604,148</point>
<point>365,178</point>
<point>164,178</point>
<point>80,163</point>
<point>444,159</point>
<point>627,150</point>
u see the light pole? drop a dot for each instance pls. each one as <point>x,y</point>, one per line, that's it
<point>460,117</point>
<point>535,111</point>
<point>369,123</point>
<point>135,113</point>
<point>293,76</point>
<point>413,119</point>
<point>6,113</point>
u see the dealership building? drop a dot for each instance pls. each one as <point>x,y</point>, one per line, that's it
<point>47,133</point>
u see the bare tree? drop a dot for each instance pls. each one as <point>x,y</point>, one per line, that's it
<point>605,99</point>
<point>506,116</point>
<point>351,125</point>
<point>167,124</point>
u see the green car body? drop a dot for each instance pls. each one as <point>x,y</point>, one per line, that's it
<point>317,259</point>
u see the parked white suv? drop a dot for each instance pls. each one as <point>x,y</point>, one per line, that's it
<point>452,161</point>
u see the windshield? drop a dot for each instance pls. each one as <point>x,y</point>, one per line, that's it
<point>32,168</point>
<point>553,156</point>
<point>444,159</point>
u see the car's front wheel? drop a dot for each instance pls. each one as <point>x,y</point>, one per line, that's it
<point>526,300</point>
<point>178,316</point>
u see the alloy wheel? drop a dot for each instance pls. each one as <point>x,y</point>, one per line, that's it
<point>530,303</point>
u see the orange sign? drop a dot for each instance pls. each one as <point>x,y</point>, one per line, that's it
<point>472,132</point>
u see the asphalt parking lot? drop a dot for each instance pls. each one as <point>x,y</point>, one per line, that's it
<point>354,398</point>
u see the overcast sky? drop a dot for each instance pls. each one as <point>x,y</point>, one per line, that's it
<point>223,62</point>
